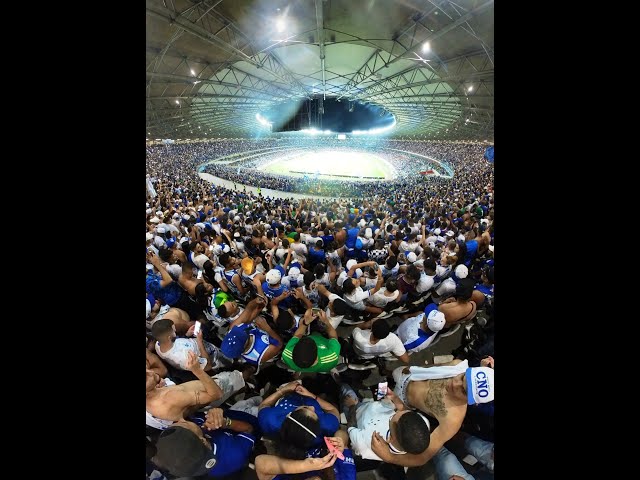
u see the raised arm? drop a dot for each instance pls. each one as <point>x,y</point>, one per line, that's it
<point>155,261</point>
<point>331,332</point>
<point>268,466</point>
<point>251,311</point>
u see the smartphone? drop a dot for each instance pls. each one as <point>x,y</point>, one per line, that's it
<point>316,310</point>
<point>333,449</point>
<point>382,390</point>
<point>196,330</point>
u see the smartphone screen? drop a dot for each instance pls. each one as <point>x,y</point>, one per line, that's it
<point>382,390</point>
<point>197,328</point>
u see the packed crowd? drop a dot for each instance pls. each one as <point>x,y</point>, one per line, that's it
<point>266,317</point>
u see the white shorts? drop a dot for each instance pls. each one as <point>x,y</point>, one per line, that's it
<point>229,383</point>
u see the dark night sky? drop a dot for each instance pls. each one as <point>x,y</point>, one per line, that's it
<point>336,118</point>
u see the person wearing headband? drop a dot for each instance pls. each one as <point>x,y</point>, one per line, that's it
<point>297,418</point>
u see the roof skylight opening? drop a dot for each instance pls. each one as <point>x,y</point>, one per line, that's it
<point>281,25</point>
<point>177,102</point>
<point>426,47</point>
<point>470,89</point>
<point>193,73</point>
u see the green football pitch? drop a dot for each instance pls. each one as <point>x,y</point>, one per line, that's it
<point>337,164</point>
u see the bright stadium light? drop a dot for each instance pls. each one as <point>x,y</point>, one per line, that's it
<point>281,25</point>
<point>263,121</point>
<point>426,47</point>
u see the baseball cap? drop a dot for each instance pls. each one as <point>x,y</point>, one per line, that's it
<point>450,233</point>
<point>461,271</point>
<point>437,231</point>
<point>461,238</point>
<point>368,233</point>
<point>412,257</point>
<point>247,265</point>
<point>294,272</point>
<point>273,276</point>
<point>149,236</point>
<point>162,230</point>
<point>480,385</point>
<point>182,453</point>
<point>155,220</point>
<point>171,242</point>
<point>233,342</point>
<point>435,320</point>
<point>351,263</point>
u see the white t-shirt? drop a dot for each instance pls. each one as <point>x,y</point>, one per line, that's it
<point>356,298</point>
<point>177,354</point>
<point>408,332</point>
<point>371,417</point>
<point>363,347</point>
<point>424,283</point>
<point>324,280</point>
<point>446,288</point>
<point>301,251</point>
<point>379,299</point>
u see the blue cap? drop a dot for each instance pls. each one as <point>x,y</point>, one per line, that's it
<point>214,219</point>
<point>171,242</point>
<point>233,343</point>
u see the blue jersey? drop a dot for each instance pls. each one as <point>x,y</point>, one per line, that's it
<point>472,248</point>
<point>232,450</point>
<point>271,418</point>
<point>228,276</point>
<point>260,341</point>
<point>271,293</point>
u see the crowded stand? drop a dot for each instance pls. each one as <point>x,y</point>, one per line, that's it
<point>319,337</point>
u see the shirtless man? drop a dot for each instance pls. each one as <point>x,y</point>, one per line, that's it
<point>444,398</point>
<point>179,317</point>
<point>167,404</point>
<point>189,282</point>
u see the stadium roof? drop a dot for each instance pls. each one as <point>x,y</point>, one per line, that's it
<point>213,65</point>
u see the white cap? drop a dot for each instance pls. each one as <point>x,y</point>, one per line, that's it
<point>149,236</point>
<point>351,263</point>
<point>461,238</point>
<point>273,276</point>
<point>226,249</point>
<point>159,213</point>
<point>450,233</point>
<point>432,244</point>
<point>412,257</point>
<point>462,271</point>
<point>435,320</point>
<point>491,248</point>
<point>236,235</point>
<point>294,272</point>
<point>216,249</point>
<point>155,220</point>
<point>437,231</point>
<point>162,230</point>
<point>149,211</point>
<point>362,223</point>
<point>200,207</point>
<point>368,233</point>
